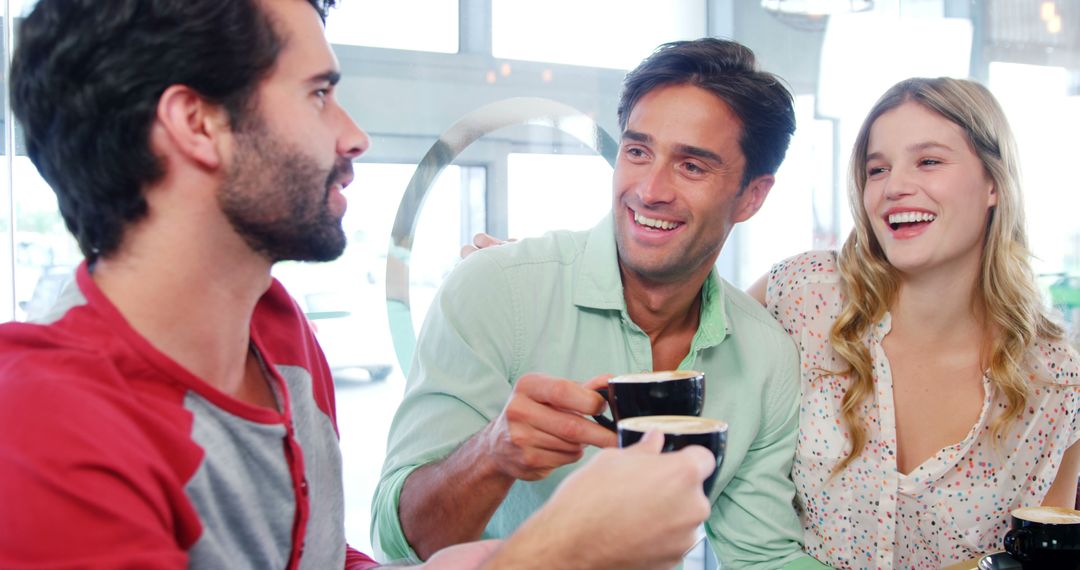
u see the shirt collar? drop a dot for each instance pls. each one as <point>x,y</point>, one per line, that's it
<point>598,285</point>
<point>882,327</point>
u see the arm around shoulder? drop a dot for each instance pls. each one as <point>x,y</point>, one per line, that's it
<point>758,289</point>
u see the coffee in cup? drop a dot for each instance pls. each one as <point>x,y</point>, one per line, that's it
<point>1044,538</point>
<point>664,393</point>
<point>679,432</point>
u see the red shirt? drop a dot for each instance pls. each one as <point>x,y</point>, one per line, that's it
<point>112,455</point>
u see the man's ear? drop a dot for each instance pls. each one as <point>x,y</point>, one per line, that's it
<point>193,126</point>
<point>750,200</point>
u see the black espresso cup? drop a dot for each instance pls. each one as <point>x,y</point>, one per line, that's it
<point>665,393</point>
<point>1045,538</point>
<point>679,432</point>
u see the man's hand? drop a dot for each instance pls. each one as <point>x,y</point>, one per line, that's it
<point>542,426</point>
<point>628,508</point>
<point>480,241</point>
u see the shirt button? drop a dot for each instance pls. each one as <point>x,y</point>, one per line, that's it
<point>304,487</point>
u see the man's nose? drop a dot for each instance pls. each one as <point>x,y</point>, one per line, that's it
<point>656,186</point>
<point>353,140</point>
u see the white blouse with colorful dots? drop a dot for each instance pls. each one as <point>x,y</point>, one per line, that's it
<point>955,505</point>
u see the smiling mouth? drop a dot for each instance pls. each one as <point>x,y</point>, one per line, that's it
<point>909,219</point>
<point>654,223</point>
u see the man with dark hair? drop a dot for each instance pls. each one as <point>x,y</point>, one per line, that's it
<point>515,328</point>
<point>178,412</point>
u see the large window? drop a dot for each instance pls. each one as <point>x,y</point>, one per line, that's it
<point>422,25</point>
<point>556,192</point>
<point>597,33</point>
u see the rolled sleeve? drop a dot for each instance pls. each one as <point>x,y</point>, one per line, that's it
<point>387,536</point>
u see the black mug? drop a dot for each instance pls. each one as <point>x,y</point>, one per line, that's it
<point>679,432</point>
<point>1045,538</point>
<point>664,393</point>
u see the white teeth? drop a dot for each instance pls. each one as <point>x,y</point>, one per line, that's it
<point>658,224</point>
<point>909,217</point>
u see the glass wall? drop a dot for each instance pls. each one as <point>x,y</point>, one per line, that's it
<point>524,95</point>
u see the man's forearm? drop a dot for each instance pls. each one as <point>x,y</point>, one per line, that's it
<point>451,501</point>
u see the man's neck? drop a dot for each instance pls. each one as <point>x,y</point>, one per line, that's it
<point>193,302</point>
<point>669,312</point>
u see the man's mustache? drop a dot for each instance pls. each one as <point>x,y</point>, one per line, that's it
<point>341,173</point>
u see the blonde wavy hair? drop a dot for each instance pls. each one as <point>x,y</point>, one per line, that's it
<point>1006,291</point>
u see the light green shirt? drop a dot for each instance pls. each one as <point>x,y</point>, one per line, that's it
<point>555,305</point>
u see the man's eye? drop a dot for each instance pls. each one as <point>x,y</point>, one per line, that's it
<point>693,168</point>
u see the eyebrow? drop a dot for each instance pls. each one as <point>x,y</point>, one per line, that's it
<point>918,147</point>
<point>331,77</point>
<point>696,151</point>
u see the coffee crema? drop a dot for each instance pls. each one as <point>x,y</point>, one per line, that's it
<point>659,376</point>
<point>673,424</point>
<point>1047,515</point>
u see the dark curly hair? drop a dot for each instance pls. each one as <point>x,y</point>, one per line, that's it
<point>728,70</point>
<point>85,82</point>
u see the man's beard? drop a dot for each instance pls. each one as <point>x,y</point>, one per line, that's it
<point>276,198</point>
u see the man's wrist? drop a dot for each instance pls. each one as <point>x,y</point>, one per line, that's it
<point>479,457</point>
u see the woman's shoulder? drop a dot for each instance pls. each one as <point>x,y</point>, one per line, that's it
<point>1055,361</point>
<point>816,266</point>
<point>804,292</point>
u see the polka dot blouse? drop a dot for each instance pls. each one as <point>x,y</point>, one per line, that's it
<point>952,507</point>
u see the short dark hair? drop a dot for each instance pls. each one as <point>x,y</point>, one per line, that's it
<point>728,70</point>
<point>85,83</point>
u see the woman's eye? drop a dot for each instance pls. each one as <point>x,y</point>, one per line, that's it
<point>875,170</point>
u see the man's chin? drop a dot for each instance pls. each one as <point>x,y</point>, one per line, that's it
<point>317,248</point>
<point>653,270</point>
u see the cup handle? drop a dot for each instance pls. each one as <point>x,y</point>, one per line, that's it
<point>602,419</point>
<point>1014,542</point>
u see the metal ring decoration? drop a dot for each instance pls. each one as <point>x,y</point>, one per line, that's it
<point>474,125</point>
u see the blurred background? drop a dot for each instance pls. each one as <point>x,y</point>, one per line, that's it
<point>430,79</point>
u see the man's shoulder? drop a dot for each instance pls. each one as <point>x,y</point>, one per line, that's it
<point>50,378</point>
<point>45,346</point>
<point>522,263</point>
<point>52,357</point>
<point>555,247</point>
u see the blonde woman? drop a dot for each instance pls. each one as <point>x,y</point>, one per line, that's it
<point>937,395</point>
